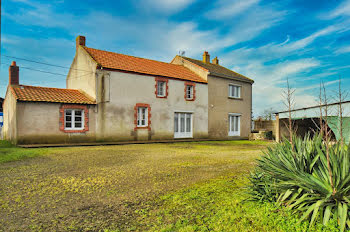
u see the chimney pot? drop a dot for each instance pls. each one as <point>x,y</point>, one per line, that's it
<point>215,60</point>
<point>206,57</point>
<point>13,74</point>
<point>80,40</point>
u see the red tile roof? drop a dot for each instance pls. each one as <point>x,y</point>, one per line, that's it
<point>123,62</point>
<point>45,94</point>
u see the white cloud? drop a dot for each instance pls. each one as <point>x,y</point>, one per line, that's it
<point>343,9</point>
<point>344,49</point>
<point>167,6</point>
<point>228,9</point>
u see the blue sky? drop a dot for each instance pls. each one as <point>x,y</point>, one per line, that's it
<point>268,41</point>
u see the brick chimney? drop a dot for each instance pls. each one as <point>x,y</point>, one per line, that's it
<point>14,74</point>
<point>215,60</point>
<point>206,57</point>
<point>80,40</point>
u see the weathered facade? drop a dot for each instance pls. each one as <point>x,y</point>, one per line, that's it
<point>115,97</point>
<point>222,106</point>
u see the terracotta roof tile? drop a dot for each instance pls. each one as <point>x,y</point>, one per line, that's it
<point>123,62</point>
<point>45,94</point>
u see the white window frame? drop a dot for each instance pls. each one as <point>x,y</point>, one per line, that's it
<point>238,90</point>
<point>73,119</point>
<point>184,134</point>
<point>161,85</point>
<point>139,118</point>
<point>189,92</point>
<point>234,133</point>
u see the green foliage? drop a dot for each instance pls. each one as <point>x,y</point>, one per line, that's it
<point>9,152</point>
<point>218,205</point>
<point>299,176</point>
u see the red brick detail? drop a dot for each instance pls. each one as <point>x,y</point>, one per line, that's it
<point>73,107</point>
<point>149,116</point>
<point>166,88</point>
<point>13,74</point>
<point>194,90</point>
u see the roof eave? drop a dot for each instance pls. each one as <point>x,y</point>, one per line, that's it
<point>58,102</point>
<point>154,75</point>
<point>231,77</point>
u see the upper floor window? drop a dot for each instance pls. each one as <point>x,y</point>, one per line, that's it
<point>73,119</point>
<point>234,91</point>
<point>161,87</point>
<point>190,92</point>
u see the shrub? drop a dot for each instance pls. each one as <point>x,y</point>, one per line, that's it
<point>298,178</point>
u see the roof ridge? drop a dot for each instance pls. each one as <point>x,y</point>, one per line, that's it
<point>47,87</point>
<point>133,56</point>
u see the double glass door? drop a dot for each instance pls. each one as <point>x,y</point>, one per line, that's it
<point>183,125</point>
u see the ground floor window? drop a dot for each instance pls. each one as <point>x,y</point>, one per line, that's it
<point>234,125</point>
<point>73,119</point>
<point>142,116</point>
<point>183,125</point>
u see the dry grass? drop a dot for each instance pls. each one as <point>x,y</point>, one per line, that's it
<point>91,188</point>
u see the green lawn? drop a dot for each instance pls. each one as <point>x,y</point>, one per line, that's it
<point>157,187</point>
<point>9,152</point>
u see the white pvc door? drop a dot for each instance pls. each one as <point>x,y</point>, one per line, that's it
<point>183,125</point>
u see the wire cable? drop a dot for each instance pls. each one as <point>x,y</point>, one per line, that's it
<point>43,63</point>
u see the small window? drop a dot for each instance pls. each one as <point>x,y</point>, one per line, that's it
<point>235,91</point>
<point>234,125</point>
<point>73,119</point>
<point>189,92</point>
<point>161,85</point>
<point>142,117</point>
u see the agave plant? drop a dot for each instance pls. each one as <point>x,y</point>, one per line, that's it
<point>305,180</point>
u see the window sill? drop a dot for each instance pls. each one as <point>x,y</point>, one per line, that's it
<point>236,98</point>
<point>142,128</point>
<point>234,135</point>
<point>74,131</point>
<point>161,96</point>
<point>189,99</point>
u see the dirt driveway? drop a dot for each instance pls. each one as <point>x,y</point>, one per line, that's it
<point>90,188</point>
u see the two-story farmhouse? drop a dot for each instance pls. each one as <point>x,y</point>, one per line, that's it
<point>116,97</point>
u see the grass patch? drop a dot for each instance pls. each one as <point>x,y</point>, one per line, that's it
<point>9,152</point>
<point>217,205</point>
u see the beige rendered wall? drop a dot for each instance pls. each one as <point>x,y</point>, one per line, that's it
<point>220,105</point>
<point>124,90</point>
<point>9,129</point>
<point>40,123</point>
<point>82,73</point>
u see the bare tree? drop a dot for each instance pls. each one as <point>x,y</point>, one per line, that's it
<point>341,96</point>
<point>268,114</point>
<point>290,103</point>
<point>326,133</point>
